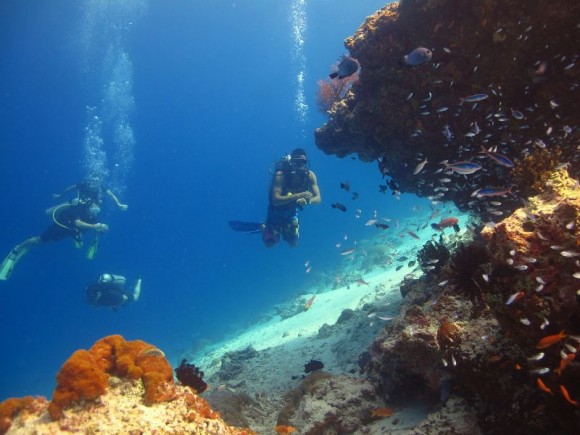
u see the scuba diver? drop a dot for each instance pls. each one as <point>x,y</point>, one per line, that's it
<point>70,219</point>
<point>91,190</point>
<point>109,291</point>
<point>293,187</point>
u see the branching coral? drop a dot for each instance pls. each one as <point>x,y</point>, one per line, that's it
<point>466,270</point>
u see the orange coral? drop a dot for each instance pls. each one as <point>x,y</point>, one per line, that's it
<point>85,375</point>
<point>10,408</point>
<point>80,378</point>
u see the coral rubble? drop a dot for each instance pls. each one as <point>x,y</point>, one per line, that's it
<point>123,386</point>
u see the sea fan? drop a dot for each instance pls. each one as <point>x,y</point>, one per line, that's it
<point>466,270</point>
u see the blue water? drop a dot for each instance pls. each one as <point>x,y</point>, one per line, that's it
<point>214,89</point>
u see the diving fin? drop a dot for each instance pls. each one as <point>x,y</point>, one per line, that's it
<point>246,227</point>
<point>7,266</point>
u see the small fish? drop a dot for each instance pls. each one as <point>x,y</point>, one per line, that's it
<point>569,254</point>
<point>339,206</point>
<point>420,167</point>
<point>474,98</point>
<point>525,321</point>
<point>446,223</point>
<point>491,191</point>
<point>540,371</point>
<point>515,297</point>
<point>544,323</point>
<point>517,114</point>
<point>537,357</point>
<point>442,283</point>
<point>382,412</point>
<point>345,186</point>
<point>385,318</point>
<point>464,167</point>
<point>412,234</point>
<point>398,268</point>
<point>355,196</point>
<point>418,56</point>
<point>567,395</point>
<point>543,387</point>
<point>347,67</point>
<point>371,222</point>
<point>152,352</point>
<point>521,267</point>
<point>348,251</point>
<point>500,159</point>
<point>564,362</point>
<point>411,263</point>
<point>550,340</point>
<point>309,303</point>
<point>382,226</point>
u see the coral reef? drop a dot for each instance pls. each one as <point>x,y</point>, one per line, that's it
<point>433,256</point>
<point>502,348</point>
<point>84,376</point>
<point>107,387</point>
<point>328,404</point>
<point>498,48</point>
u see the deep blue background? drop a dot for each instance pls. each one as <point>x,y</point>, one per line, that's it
<point>214,91</point>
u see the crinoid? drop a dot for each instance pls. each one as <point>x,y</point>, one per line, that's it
<point>466,277</point>
<point>433,256</point>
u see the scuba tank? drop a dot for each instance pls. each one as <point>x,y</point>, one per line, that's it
<point>281,164</point>
<point>92,251</point>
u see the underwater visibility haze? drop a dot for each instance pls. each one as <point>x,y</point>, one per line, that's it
<point>181,107</point>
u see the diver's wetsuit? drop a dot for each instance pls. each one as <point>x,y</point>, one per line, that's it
<point>64,225</point>
<point>108,294</point>
<point>284,218</point>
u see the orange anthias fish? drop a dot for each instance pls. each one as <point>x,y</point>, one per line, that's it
<point>543,387</point>
<point>382,412</point>
<point>550,340</point>
<point>564,362</point>
<point>309,303</point>
<point>285,429</point>
<point>567,396</point>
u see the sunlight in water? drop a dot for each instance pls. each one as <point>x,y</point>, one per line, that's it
<point>299,26</point>
<point>109,140</point>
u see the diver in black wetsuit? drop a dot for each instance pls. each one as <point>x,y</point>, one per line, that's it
<point>109,291</point>
<point>294,187</point>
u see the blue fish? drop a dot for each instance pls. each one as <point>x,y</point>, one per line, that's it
<point>347,67</point>
<point>474,98</point>
<point>462,167</point>
<point>500,159</point>
<point>418,56</point>
<point>492,191</point>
